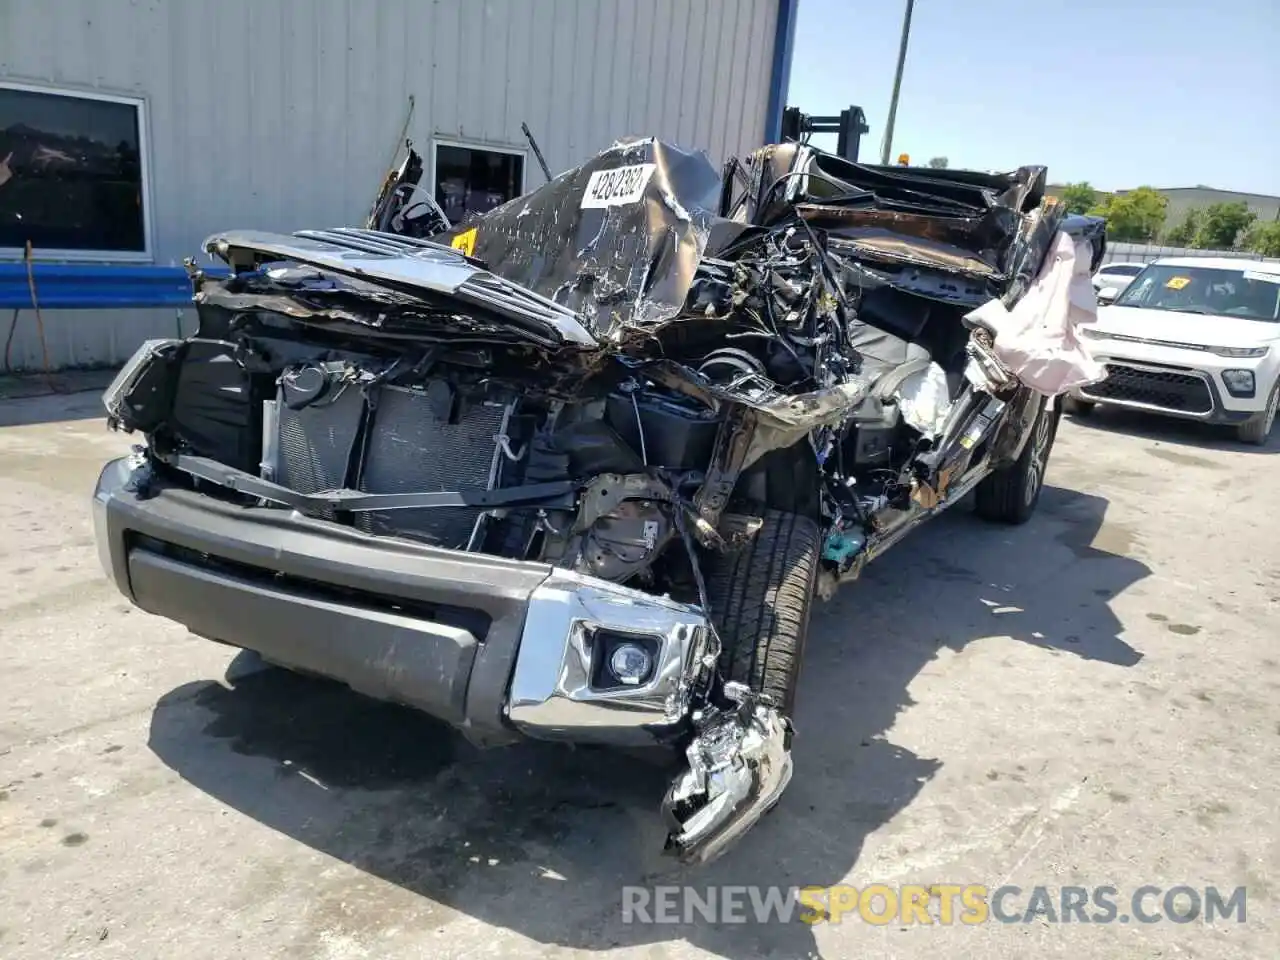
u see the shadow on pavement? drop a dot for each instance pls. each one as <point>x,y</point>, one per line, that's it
<point>540,838</point>
<point>1208,436</point>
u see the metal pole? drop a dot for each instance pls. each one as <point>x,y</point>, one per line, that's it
<point>897,85</point>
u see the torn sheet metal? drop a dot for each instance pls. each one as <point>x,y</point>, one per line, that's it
<point>616,240</point>
<point>1038,339</point>
<point>1093,231</point>
<point>959,221</point>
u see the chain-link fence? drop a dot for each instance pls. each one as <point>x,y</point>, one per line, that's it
<point>1123,252</point>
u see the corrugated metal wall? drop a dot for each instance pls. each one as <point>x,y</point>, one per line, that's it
<point>279,115</point>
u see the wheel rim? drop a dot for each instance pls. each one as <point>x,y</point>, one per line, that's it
<point>1269,418</point>
<point>1036,463</point>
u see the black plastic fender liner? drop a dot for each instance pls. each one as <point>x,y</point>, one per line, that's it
<point>217,402</point>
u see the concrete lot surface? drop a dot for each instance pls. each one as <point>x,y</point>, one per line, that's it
<point>1090,699</point>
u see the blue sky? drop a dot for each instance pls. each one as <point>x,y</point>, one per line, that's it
<point>1169,93</point>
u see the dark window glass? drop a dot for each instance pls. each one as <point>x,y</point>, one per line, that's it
<point>1213,291</point>
<point>472,181</point>
<point>70,173</point>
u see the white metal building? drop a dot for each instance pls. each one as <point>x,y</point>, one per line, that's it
<point>131,129</point>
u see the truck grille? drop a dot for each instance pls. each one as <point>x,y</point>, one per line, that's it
<point>1166,389</point>
<point>409,450</point>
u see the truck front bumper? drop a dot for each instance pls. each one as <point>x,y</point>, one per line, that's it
<point>495,647</point>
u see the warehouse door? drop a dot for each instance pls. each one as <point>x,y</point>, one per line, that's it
<point>470,180</point>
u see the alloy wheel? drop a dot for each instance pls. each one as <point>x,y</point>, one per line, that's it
<point>1036,462</point>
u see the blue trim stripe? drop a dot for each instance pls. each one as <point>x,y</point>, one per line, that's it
<point>780,76</point>
<point>64,286</point>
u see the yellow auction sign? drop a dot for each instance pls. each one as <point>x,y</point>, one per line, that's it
<point>465,242</point>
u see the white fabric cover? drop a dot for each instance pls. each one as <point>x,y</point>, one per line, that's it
<point>1039,339</point>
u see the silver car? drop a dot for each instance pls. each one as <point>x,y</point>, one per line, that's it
<point>1117,275</point>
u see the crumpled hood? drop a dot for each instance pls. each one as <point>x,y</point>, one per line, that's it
<point>616,240</point>
<point>368,267</point>
<point>1191,328</point>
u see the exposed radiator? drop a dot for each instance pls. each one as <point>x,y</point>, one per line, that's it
<point>409,450</point>
<point>314,443</point>
<point>412,450</point>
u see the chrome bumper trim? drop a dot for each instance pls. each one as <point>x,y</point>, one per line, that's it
<point>739,764</point>
<point>552,693</point>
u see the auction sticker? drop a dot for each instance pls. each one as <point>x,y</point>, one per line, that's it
<point>1177,283</point>
<point>612,188</point>
<point>465,243</point>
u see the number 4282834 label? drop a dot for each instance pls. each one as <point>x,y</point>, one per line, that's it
<point>611,188</point>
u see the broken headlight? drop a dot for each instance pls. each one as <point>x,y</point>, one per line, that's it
<point>134,400</point>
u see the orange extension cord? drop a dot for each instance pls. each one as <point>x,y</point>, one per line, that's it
<point>35,303</point>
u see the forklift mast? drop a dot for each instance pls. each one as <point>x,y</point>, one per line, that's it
<point>848,127</point>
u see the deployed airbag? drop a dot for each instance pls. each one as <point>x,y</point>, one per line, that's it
<point>1038,340</point>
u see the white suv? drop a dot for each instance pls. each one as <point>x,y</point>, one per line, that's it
<point>1192,337</point>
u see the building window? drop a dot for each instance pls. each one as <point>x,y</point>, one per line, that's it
<point>473,180</point>
<point>72,174</point>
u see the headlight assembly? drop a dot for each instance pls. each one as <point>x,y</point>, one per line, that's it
<point>116,397</point>
<point>1240,351</point>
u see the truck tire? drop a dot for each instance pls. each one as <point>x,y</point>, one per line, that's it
<point>1257,428</point>
<point>1010,494</point>
<point>760,597</point>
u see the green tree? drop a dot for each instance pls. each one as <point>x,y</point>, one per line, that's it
<point>939,163</point>
<point>1078,197</point>
<point>1184,234</point>
<point>1222,225</point>
<point>1264,239</point>
<point>1135,215</point>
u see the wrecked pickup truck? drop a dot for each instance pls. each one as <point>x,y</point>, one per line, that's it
<point>576,470</point>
